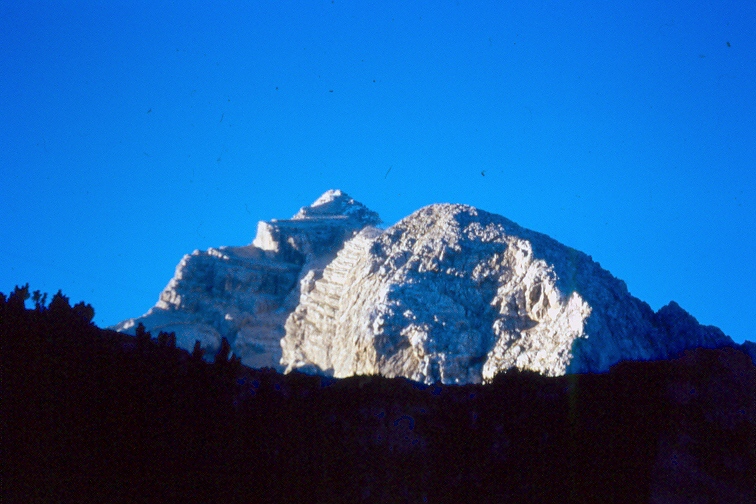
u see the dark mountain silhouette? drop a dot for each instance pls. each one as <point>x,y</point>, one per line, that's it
<point>92,415</point>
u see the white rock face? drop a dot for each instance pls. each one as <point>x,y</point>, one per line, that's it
<point>450,294</point>
<point>246,293</point>
<point>455,294</point>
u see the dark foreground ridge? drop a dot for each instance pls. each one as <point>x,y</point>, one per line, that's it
<point>91,415</point>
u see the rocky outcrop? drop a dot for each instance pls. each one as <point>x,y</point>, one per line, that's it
<point>451,294</point>
<point>455,294</point>
<point>246,293</point>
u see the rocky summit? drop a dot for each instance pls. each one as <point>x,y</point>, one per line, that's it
<point>450,293</point>
<point>246,293</point>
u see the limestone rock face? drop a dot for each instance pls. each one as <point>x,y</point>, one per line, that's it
<point>450,293</point>
<point>456,294</point>
<point>246,293</point>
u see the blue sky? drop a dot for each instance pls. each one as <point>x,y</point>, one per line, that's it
<point>132,134</point>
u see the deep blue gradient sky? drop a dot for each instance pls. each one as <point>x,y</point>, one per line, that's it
<point>133,134</point>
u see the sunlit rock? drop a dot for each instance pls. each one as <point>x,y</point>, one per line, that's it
<point>450,293</point>
<point>456,294</point>
<point>246,293</point>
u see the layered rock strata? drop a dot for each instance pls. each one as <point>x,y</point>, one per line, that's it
<point>246,293</point>
<point>450,293</point>
<point>455,294</point>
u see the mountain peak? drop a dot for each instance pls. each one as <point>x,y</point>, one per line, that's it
<point>330,195</point>
<point>456,294</point>
<point>450,293</point>
<point>335,203</point>
<point>245,293</point>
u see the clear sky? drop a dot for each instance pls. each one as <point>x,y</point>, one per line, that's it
<point>131,134</point>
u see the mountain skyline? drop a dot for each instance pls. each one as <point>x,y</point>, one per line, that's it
<point>133,136</point>
<point>450,293</point>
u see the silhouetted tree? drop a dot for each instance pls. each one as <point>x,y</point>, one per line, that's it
<point>166,339</point>
<point>39,299</point>
<point>84,311</point>
<point>225,349</point>
<point>142,337</point>
<point>18,297</point>
<point>197,352</point>
<point>225,363</point>
<point>59,306</point>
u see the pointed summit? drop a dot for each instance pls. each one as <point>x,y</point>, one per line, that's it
<point>244,294</point>
<point>320,228</point>
<point>335,203</point>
